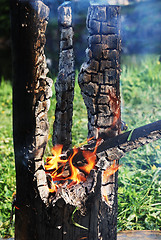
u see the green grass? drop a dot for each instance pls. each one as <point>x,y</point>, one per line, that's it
<point>7,168</point>
<point>139,191</point>
<point>140,176</point>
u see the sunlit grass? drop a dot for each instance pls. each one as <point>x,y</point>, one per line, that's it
<point>140,177</point>
<point>7,168</point>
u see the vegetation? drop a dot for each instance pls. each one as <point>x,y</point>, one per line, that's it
<point>7,168</point>
<point>140,174</point>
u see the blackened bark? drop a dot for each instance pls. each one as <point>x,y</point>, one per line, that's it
<point>99,82</point>
<point>65,82</point>
<point>31,93</point>
<point>99,76</point>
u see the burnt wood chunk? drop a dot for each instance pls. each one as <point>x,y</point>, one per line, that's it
<point>64,85</point>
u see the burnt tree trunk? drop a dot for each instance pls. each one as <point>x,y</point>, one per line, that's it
<point>65,82</point>
<point>99,82</point>
<point>40,213</point>
<point>31,94</point>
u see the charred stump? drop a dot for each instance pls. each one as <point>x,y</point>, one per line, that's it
<point>86,209</point>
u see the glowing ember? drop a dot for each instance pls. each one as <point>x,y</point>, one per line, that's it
<point>106,198</point>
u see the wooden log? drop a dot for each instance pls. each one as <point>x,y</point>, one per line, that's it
<point>65,82</point>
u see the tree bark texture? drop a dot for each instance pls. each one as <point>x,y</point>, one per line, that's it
<point>99,80</point>
<point>31,94</point>
<point>65,82</point>
<point>99,76</point>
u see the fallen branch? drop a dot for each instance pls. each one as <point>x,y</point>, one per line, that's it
<point>117,146</point>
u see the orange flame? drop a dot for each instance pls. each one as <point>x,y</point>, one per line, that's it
<point>110,171</point>
<point>75,174</point>
<point>55,165</point>
<point>106,198</point>
<point>52,162</point>
<point>91,159</point>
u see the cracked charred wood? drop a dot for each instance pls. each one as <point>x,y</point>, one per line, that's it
<point>31,101</point>
<point>65,82</point>
<point>99,80</point>
<point>99,76</point>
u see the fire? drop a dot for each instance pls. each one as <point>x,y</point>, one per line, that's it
<point>56,166</point>
<point>62,171</point>
<point>90,158</point>
<point>52,162</point>
<point>115,104</point>
<point>110,171</point>
<point>106,198</point>
<point>75,176</point>
<point>105,177</point>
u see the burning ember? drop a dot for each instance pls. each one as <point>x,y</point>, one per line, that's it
<point>75,168</point>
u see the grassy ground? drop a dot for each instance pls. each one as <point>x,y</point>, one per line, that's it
<point>7,169</point>
<point>140,176</point>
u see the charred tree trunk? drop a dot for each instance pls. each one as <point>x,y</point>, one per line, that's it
<point>42,214</point>
<point>99,82</point>
<point>99,76</point>
<point>31,94</point>
<point>65,82</point>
